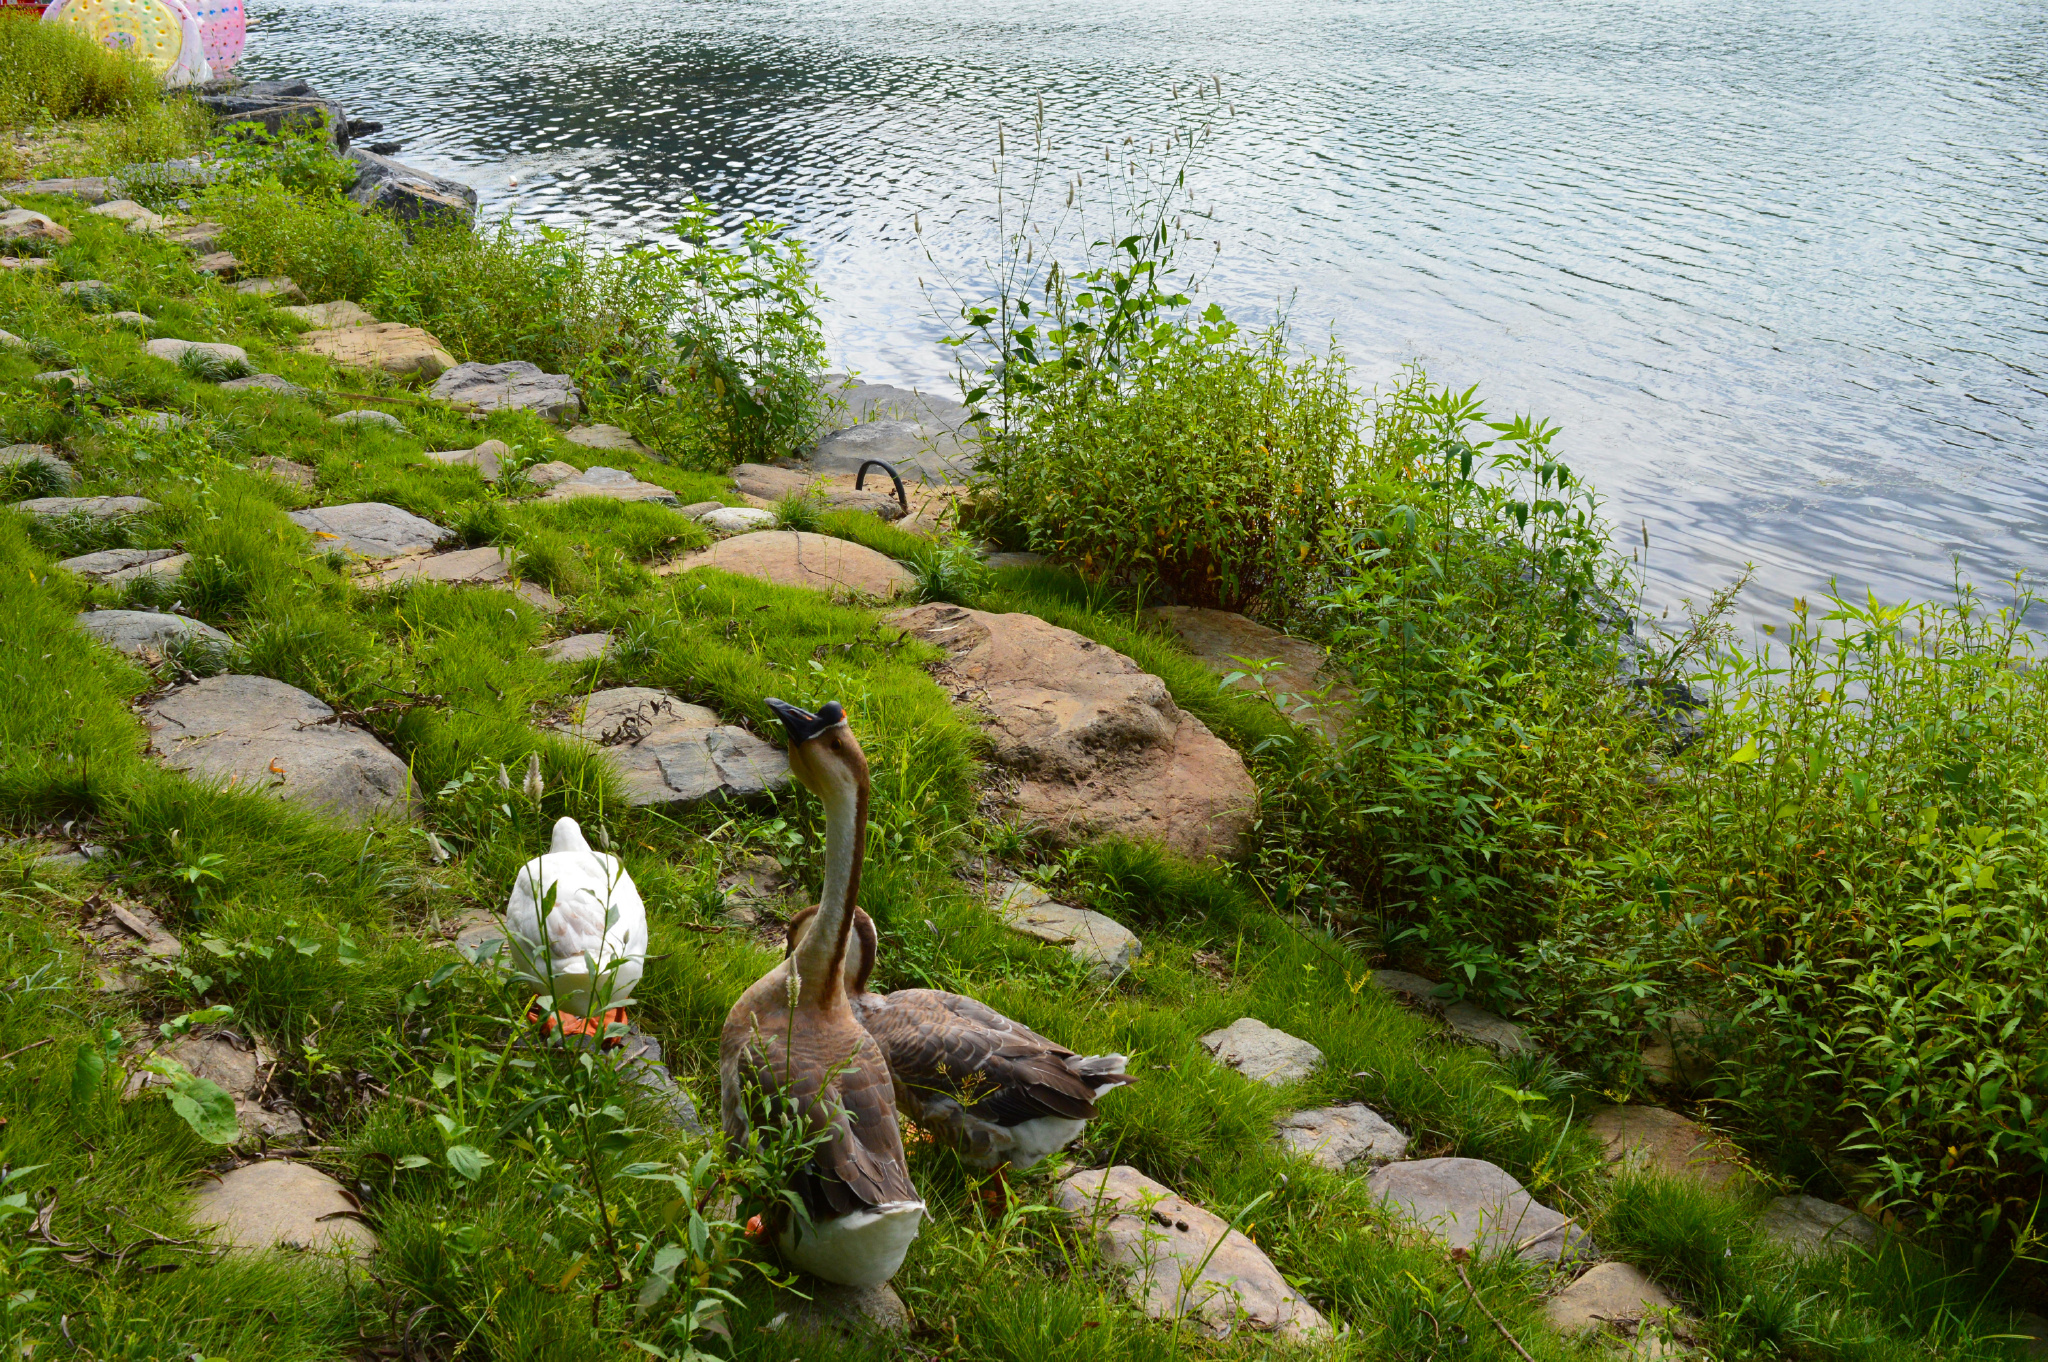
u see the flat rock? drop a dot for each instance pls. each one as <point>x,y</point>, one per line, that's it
<point>366,417</point>
<point>639,1058</point>
<point>284,470</point>
<point>215,352</point>
<point>1099,744</point>
<point>407,193</point>
<point>221,265</point>
<point>79,379</point>
<point>487,458</point>
<point>236,1065</point>
<point>738,519</point>
<point>389,347</point>
<point>1185,1261</point>
<point>114,566</point>
<point>138,218</point>
<point>1101,943</point>
<point>838,567</point>
<point>128,926</point>
<point>1220,638</point>
<point>1472,1204</point>
<point>156,420</point>
<point>918,452</point>
<point>765,482</point>
<point>10,341</point>
<point>141,633</point>
<point>513,386</point>
<point>769,483</point>
<point>836,1309</point>
<point>91,293</point>
<point>200,238</point>
<point>370,528</point>
<point>22,227</point>
<point>1002,559</point>
<point>269,383</point>
<point>139,320</point>
<point>39,457</point>
<point>615,483</point>
<point>276,1204</point>
<point>1808,1225</point>
<point>551,473</point>
<point>605,437</point>
<point>578,647</point>
<point>1337,1137</point>
<point>670,752</point>
<point>697,510</point>
<point>1609,1293</point>
<point>253,731</point>
<point>1262,1053</point>
<point>84,188</point>
<point>27,264</point>
<point>463,567</point>
<point>1668,1143</point>
<point>332,316</point>
<point>1468,1021</point>
<point>99,508</point>
<point>279,287</point>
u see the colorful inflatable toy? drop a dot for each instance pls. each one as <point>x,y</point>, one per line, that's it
<point>163,33</point>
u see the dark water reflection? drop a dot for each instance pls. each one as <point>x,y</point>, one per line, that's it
<point>1777,268</point>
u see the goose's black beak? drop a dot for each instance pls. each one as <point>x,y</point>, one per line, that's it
<point>804,725</point>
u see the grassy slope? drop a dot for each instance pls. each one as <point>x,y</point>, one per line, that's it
<point>496,1261</point>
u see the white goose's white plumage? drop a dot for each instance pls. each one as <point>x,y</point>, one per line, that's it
<point>593,944</point>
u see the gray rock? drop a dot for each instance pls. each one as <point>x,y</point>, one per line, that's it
<point>1808,1225</point>
<point>200,238</point>
<point>697,510</point>
<point>140,320</point>
<point>1101,943</point>
<point>917,452</point>
<point>1472,1204</point>
<point>1014,560</point>
<point>1608,1294</point>
<point>284,470</point>
<point>605,437</point>
<point>278,104</point>
<point>141,633</point>
<point>639,1058</point>
<point>1667,1142</point>
<point>277,287</point>
<point>331,316</point>
<point>738,519</point>
<point>550,474</point>
<point>139,219</point>
<point>277,1204</point>
<point>1261,1053</point>
<point>217,353</point>
<point>10,341</point>
<point>408,194</point>
<point>669,752</point>
<point>365,417</point>
<point>269,383</point>
<point>487,458</point>
<point>613,483</point>
<point>1468,1021</point>
<point>833,1308</point>
<point>264,735</point>
<point>86,189</point>
<point>152,178</point>
<point>41,458</point>
<point>221,265</point>
<point>463,567</point>
<point>79,379</point>
<point>1185,1261</point>
<point>1337,1137</point>
<point>578,648</point>
<point>27,264</point>
<point>513,386</point>
<point>370,528</point>
<point>21,227</point>
<point>114,566</point>
<point>89,293</point>
<point>155,420</point>
<point>99,508</point>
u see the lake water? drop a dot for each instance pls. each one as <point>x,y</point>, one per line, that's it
<point>1780,270</point>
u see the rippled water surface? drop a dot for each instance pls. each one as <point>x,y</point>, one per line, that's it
<point>1777,268</point>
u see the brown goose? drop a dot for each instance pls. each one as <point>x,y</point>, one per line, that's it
<point>992,1089</point>
<point>794,1034</point>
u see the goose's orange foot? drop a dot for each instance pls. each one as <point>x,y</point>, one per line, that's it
<point>572,1025</point>
<point>755,1229</point>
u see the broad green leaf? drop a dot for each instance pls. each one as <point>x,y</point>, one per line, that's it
<point>86,1072</point>
<point>1745,753</point>
<point>468,1160</point>
<point>208,1109</point>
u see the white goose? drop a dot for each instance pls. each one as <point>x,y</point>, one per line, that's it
<point>586,942</point>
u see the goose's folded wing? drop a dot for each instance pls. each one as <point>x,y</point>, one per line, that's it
<point>865,1154</point>
<point>999,1070</point>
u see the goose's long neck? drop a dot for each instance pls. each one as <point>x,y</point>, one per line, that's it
<point>821,955</point>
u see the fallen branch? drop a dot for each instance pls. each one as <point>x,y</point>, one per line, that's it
<point>26,1048</point>
<point>1458,1265</point>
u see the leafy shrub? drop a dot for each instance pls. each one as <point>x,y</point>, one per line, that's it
<point>331,248</point>
<point>52,70</point>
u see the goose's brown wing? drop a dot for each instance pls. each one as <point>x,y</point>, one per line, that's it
<point>997,1069</point>
<point>862,1164</point>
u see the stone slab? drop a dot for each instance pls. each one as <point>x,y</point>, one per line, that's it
<point>578,647</point>
<point>386,346</point>
<point>1219,638</point>
<point>1101,943</point>
<point>463,567</point>
<point>1807,1225</point>
<point>615,483</point>
<point>99,508</point>
<point>369,528</point>
<point>918,452</point>
<point>605,437</point>
<point>23,227</point>
<point>669,752</point>
<point>270,383</point>
<point>203,352</point>
<point>1337,1137</point>
<point>1608,1294</point>
<point>1668,1143</point>
<point>1186,1262</point>
<point>513,386</point>
<point>488,458</point>
<point>1478,1206</point>
<point>257,733</point>
<point>549,474</point>
<point>42,457</point>
<point>366,417</point>
<point>138,219</point>
<point>115,566</point>
<point>738,519</point>
<point>146,633</point>
<point>276,1204</point>
<point>284,470</point>
<point>838,567</point>
<point>332,316</point>
<point>406,192</point>
<point>1262,1053</point>
<point>277,287</point>
<point>84,188</point>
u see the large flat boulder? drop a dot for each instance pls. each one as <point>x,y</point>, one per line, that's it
<point>918,452</point>
<point>606,437</point>
<point>1099,744</point>
<point>1262,1053</point>
<point>1303,682</point>
<point>838,567</point>
<point>407,193</point>
<point>21,227</point>
<point>1103,944</point>
<point>1468,1021</point>
<point>1807,1225</point>
<point>615,483</point>
<point>216,354</point>
<point>85,188</point>
<point>333,316</point>
<point>1614,1297</point>
<point>40,462</point>
<point>146,634</point>
<point>486,566</point>
<point>1337,1137</point>
<point>1479,1206</point>
<point>1184,1261</point>
<point>97,508</point>
<point>670,752</point>
<point>386,346</point>
<point>255,732</point>
<point>115,566</point>
<point>488,458</point>
<point>278,104</point>
<point>370,528</point>
<point>277,1204</point>
<point>1668,1143</point>
<point>762,482</point>
<point>513,386</point>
